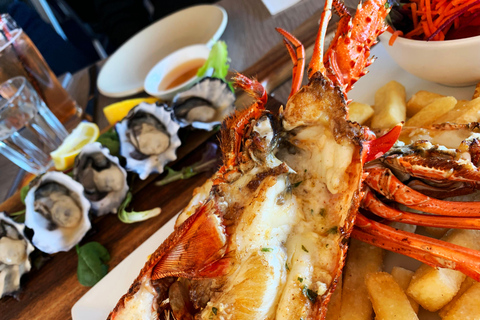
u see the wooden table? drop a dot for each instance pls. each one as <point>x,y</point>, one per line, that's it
<point>254,46</point>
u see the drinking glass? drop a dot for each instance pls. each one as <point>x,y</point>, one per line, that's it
<point>28,129</point>
<point>20,57</point>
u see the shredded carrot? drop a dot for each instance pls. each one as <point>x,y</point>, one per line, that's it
<point>394,37</point>
<point>414,15</point>
<point>432,19</point>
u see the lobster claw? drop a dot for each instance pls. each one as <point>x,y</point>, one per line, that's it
<point>195,249</point>
<point>376,148</point>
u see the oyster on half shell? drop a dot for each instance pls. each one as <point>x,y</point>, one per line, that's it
<point>204,105</point>
<point>15,249</point>
<point>57,211</point>
<point>104,180</point>
<point>148,138</point>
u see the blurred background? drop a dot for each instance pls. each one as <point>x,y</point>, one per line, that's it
<point>72,34</point>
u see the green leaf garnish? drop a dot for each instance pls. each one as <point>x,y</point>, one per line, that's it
<point>218,60</point>
<point>267,249</point>
<point>304,249</point>
<point>23,193</point>
<point>208,162</point>
<point>300,279</point>
<point>214,310</point>
<point>135,216</point>
<point>110,141</point>
<point>92,267</point>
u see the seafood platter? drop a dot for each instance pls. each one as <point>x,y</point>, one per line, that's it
<point>297,221</point>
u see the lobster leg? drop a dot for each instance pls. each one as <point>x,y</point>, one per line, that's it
<point>377,147</point>
<point>432,252</point>
<point>384,181</point>
<point>297,53</point>
<point>371,203</point>
<point>235,125</point>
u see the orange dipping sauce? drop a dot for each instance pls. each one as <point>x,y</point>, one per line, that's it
<point>181,74</point>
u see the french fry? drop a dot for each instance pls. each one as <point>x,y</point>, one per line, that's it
<point>362,259</point>
<point>359,112</point>
<point>436,232</point>
<point>433,288</point>
<point>467,307</point>
<point>476,93</point>
<point>466,284</point>
<point>333,312</point>
<point>420,100</point>
<point>388,299</point>
<point>390,106</point>
<point>463,112</point>
<point>430,113</point>
<point>403,277</point>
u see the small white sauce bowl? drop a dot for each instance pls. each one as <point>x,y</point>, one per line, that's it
<point>453,63</point>
<point>167,64</point>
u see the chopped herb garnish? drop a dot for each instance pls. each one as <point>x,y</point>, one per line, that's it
<point>305,170</point>
<point>326,246</point>
<point>296,184</point>
<point>311,211</point>
<point>323,212</point>
<point>214,310</point>
<point>286,266</point>
<point>310,294</point>
<point>304,249</point>
<point>267,249</point>
<point>300,279</point>
<point>333,230</point>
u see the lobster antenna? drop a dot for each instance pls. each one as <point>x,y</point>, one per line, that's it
<point>317,61</point>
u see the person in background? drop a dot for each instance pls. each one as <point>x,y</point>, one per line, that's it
<point>119,20</point>
<point>59,54</point>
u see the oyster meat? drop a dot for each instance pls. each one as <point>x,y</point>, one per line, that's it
<point>204,105</point>
<point>104,180</point>
<point>57,211</point>
<point>15,249</point>
<point>148,138</point>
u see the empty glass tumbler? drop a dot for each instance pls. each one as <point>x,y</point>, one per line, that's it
<point>28,129</point>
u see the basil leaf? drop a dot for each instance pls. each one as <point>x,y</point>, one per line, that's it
<point>92,267</point>
<point>110,141</point>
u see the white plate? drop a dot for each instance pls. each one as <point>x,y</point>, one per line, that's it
<point>97,303</point>
<point>125,70</point>
<point>100,300</point>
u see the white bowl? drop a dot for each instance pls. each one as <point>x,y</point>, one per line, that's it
<point>169,63</point>
<point>125,70</point>
<point>452,62</point>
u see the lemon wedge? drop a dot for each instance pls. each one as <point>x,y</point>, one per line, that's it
<point>64,156</point>
<point>117,111</point>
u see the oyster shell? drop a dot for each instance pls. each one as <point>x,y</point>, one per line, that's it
<point>15,249</point>
<point>57,211</point>
<point>204,105</point>
<point>148,138</point>
<point>104,180</point>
